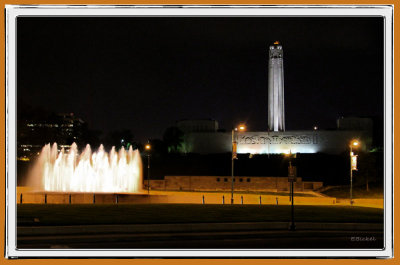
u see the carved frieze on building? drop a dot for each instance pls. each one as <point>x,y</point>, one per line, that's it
<point>278,139</point>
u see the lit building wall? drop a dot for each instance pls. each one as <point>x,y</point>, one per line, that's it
<point>331,142</point>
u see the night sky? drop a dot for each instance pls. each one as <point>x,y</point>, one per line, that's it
<point>144,74</point>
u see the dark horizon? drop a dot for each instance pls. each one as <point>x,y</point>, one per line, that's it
<point>144,74</point>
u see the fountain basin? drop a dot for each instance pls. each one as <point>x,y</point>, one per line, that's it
<point>27,196</point>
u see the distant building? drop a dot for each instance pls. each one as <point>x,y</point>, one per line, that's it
<point>264,142</point>
<point>203,136</point>
<point>354,123</point>
<point>35,132</point>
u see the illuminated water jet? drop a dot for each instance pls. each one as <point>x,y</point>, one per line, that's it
<point>60,171</point>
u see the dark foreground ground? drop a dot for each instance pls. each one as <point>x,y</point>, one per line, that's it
<point>91,214</point>
<point>198,226</point>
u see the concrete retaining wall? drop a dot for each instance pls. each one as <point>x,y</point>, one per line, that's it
<point>224,183</point>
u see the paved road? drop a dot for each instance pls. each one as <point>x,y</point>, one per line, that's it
<point>204,236</point>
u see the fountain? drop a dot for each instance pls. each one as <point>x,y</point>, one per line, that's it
<point>113,172</point>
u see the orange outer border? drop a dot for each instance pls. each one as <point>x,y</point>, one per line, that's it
<point>196,261</point>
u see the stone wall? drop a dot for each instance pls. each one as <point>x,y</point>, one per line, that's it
<point>224,183</point>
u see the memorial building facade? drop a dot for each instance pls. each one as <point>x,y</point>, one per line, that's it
<point>276,139</point>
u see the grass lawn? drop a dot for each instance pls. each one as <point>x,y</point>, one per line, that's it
<point>188,213</point>
<point>343,192</point>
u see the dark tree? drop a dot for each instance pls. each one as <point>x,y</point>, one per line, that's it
<point>158,147</point>
<point>173,138</point>
<point>89,136</point>
<point>122,138</point>
<point>370,170</point>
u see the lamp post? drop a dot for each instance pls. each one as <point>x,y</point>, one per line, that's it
<point>234,154</point>
<point>353,166</point>
<point>148,148</point>
<point>291,179</point>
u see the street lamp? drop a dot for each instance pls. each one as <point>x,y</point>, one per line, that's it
<point>148,148</point>
<point>240,128</point>
<point>292,179</point>
<point>353,166</point>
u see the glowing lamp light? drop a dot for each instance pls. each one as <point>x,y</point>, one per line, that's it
<point>286,152</point>
<point>147,147</point>
<point>242,127</point>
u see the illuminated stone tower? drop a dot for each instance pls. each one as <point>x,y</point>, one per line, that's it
<point>276,103</point>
